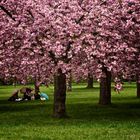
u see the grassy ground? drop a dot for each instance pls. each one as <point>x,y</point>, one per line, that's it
<point>32,120</point>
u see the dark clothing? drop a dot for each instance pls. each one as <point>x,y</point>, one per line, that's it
<point>14,96</point>
<point>37,96</point>
<point>26,93</point>
<point>25,90</point>
<point>26,97</point>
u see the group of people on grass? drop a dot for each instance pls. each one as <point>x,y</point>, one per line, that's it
<point>28,94</point>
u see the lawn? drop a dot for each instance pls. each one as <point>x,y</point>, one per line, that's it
<point>32,120</point>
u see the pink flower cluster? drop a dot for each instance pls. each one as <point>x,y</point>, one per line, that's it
<point>38,37</point>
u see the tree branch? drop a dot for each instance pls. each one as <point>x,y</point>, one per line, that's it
<point>52,56</point>
<point>7,12</point>
<point>30,13</point>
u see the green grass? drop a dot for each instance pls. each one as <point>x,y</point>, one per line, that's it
<point>32,120</point>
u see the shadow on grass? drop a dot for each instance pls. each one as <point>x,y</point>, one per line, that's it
<point>123,111</point>
<point>7,106</point>
<point>40,114</point>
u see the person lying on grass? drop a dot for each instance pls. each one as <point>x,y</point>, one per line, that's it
<point>14,96</point>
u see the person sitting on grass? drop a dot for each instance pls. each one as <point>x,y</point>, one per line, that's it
<point>37,95</point>
<point>26,93</point>
<point>44,96</point>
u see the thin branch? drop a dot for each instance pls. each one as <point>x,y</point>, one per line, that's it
<point>52,56</point>
<point>80,19</point>
<point>7,12</point>
<point>30,13</point>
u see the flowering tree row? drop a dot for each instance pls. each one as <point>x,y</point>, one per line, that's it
<point>46,38</point>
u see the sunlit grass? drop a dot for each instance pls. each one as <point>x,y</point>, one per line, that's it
<point>32,120</point>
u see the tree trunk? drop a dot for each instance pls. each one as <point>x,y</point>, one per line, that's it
<point>105,88</point>
<point>59,94</point>
<point>36,88</point>
<point>138,87</point>
<point>90,81</point>
<point>2,82</point>
<point>69,82</point>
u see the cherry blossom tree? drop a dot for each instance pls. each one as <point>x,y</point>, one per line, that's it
<point>48,34</point>
<point>127,26</point>
<point>109,38</point>
<point>42,38</point>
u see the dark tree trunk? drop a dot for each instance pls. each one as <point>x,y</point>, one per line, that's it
<point>105,88</point>
<point>2,82</point>
<point>90,81</point>
<point>69,82</point>
<point>59,94</point>
<point>36,89</point>
<point>138,87</point>
<point>15,82</point>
